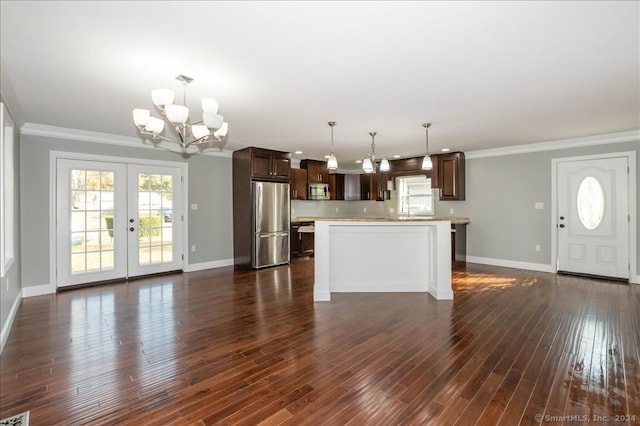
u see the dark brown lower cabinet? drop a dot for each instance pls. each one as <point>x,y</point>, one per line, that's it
<point>301,243</point>
<point>458,243</point>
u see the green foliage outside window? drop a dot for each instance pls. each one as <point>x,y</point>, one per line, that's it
<point>150,226</point>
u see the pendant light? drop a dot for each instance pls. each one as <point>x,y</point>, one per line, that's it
<point>332,163</point>
<point>367,163</point>
<point>426,161</point>
<point>384,164</point>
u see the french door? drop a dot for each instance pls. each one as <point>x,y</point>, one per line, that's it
<point>593,216</point>
<point>116,220</point>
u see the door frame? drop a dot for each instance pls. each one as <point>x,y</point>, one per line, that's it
<point>53,197</point>
<point>631,188</point>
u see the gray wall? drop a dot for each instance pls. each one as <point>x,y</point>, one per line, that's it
<point>9,293</point>
<point>209,185</point>
<point>500,196</point>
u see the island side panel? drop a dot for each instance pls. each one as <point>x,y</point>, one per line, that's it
<point>343,246</point>
<point>321,288</point>
<point>378,257</point>
<point>440,278</point>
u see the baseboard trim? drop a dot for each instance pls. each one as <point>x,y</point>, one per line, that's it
<point>4,334</point>
<point>193,267</point>
<point>38,290</point>
<point>540,267</point>
<point>635,279</point>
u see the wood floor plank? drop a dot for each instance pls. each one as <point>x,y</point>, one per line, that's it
<point>230,346</point>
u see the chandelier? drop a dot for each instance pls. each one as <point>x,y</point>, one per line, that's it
<point>211,128</point>
<point>369,161</point>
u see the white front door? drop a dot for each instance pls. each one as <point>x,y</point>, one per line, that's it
<point>116,220</point>
<point>593,216</point>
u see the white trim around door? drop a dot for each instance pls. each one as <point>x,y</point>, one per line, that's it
<point>53,160</point>
<point>630,156</point>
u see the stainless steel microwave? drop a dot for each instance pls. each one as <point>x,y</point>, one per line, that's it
<point>318,191</point>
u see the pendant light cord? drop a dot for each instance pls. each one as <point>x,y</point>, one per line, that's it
<point>426,130</point>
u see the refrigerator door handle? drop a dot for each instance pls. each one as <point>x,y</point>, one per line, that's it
<point>273,234</point>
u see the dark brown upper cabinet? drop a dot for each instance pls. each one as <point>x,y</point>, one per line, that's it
<point>317,171</point>
<point>448,174</point>
<point>298,184</point>
<point>336,186</point>
<point>369,186</point>
<point>270,165</point>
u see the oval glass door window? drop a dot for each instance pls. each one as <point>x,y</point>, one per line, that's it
<point>590,202</point>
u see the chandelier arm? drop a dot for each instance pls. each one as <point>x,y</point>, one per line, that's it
<point>156,136</point>
<point>204,139</point>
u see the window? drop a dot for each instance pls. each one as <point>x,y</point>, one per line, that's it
<point>415,196</point>
<point>7,201</point>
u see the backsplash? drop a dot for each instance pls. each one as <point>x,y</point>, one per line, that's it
<point>342,208</point>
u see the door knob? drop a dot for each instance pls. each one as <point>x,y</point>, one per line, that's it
<point>131,220</point>
<point>561,217</point>
<point>562,225</point>
<point>131,229</point>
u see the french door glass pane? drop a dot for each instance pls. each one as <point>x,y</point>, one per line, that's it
<point>155,213</point>
<point>91,220</point>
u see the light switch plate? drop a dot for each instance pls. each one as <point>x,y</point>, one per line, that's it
<point>194,206</point>
<point>539,205</point>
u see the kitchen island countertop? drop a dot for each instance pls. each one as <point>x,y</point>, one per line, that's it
<point>453,219</point>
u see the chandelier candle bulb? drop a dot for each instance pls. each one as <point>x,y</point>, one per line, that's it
<point>222,131</point>
<point>141,117</point>
<point>200,131</point>
<point>212,120</point>
<point>177,114</point>
<point>209,105</point>
<point>162,97</point>
<point>154,125</point>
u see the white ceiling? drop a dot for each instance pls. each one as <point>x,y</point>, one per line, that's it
<point>486,74</point>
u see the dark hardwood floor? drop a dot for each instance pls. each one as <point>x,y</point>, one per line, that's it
<point>246,347</point>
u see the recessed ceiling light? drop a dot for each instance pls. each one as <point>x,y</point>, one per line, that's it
<point>327,156</point>
<point>298,152</point>
<point>445,149</point>
<point>396,156</point>
<point>358,161</point>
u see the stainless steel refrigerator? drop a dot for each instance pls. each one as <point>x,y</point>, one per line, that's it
<point>271,223</point>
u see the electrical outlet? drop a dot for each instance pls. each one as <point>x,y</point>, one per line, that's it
<point>539,205</point>
<point>194,206</point>
<point>451,210</point>
<point>537,247</point>
<point>365,209</point>
<point>193,249</point>
<point>337,209</point>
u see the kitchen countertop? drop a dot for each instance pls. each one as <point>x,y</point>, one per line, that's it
<point>453,219</point>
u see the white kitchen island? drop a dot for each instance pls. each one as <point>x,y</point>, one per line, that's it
<point>382,255</point>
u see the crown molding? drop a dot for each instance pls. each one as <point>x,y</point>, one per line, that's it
<point>631,136</point>
<point>33,129</point>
